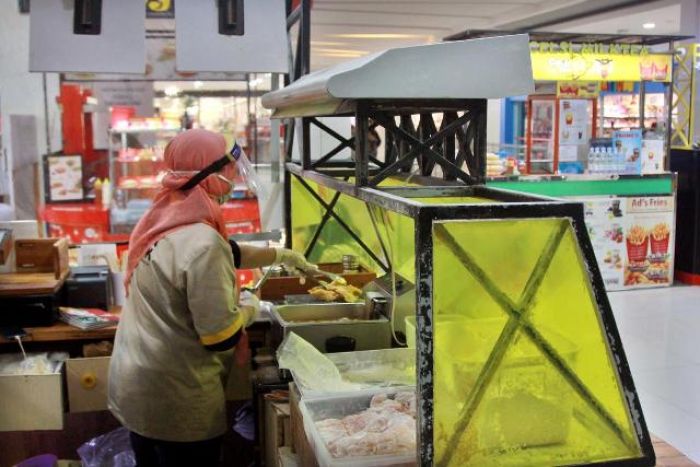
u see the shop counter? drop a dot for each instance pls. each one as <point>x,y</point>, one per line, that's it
<point>630,220</point>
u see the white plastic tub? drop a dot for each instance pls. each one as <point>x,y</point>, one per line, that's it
<point>315,410</point>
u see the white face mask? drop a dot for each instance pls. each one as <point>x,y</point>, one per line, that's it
<point>220,199</point>
<point>223,198</point>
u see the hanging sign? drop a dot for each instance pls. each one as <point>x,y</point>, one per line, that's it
<point>596,63</point>
<point>578,89</point>
<point>160,9</point>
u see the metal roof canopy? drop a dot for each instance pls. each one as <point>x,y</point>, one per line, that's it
<point>576,37</point>
<point>484,68</point>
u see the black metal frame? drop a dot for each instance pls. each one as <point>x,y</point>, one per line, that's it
<point>299,65</point>
<point>576,37</point>
<point>458,147</point>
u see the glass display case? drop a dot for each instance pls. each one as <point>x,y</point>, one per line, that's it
<point>510,321</point>
<point>135,169</point>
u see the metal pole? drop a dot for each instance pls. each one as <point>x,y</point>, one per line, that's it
<point>275,153</point>
<point>642,99</point>
<point>424,337</point>
<point>361,149</point>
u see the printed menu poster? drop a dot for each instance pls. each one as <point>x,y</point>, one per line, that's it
<point>649,241</point>
<point>573,121</point>
<point>632,239</point>
<point>629,142</point>
<point>653,152</point>
<point>65,178</point>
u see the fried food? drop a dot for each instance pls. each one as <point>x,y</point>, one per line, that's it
<point>336,292</point>
<point>660,231</point>
<point>637,235</point>
<point>322,294</point>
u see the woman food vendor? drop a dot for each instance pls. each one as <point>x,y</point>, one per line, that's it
<point>181,322</point>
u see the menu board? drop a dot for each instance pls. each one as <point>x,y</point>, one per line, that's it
<point>65,178</point>
<point>633,239</point>
<point>573,121</point>
<point>629,143</point>
<point>653,154</point>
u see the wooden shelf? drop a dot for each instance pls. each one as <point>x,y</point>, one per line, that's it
<point>61,332</point>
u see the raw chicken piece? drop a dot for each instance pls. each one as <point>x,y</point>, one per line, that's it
<point>386,427</point>
<point>388,405</point>
<point>408,400</point>
<point>355,423</point>
<point>331,429</point>
<point>378,399</point>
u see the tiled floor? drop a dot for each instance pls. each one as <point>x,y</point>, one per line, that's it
<point>660,330</point>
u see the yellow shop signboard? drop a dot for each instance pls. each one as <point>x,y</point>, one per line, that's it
<point>592,64</point>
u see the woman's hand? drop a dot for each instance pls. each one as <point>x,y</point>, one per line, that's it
<point>250,306</point>
<point>292,259</point>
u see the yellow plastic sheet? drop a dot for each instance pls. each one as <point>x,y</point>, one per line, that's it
<point>522,372</point>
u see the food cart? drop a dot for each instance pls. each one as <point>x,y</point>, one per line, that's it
<point>518,359</point>
<point>597,130</point>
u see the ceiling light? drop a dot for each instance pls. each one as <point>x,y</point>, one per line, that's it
<point>381,36</point>
<point>171,91</point>
<point>345,53</point>
<point>337,55</point>
<point>198,84</point>
<point>327,44</point>
<point>649,25</point>
<point>254,82</point>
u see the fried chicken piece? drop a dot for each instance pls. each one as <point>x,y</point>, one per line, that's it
<point>348,292</point>
<point>324,295</point>
<point>335,291</point>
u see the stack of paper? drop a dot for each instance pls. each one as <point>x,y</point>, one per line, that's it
<point>87,318</point>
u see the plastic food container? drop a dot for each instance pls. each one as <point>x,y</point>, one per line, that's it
<point>315,410</point>
<point>374,368</point>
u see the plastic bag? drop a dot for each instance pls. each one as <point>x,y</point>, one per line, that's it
<point>34,364</point>
<point>311,368</point>
<point>112,449</point>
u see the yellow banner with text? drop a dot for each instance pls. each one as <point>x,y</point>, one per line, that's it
<point>579,66</point>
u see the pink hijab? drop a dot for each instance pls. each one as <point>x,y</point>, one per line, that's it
<point>190,152</point>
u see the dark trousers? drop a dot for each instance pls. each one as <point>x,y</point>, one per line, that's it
<point>156,453</point>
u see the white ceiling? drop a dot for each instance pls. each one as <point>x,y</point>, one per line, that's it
<point>666,19</point>
<point>345,29</point>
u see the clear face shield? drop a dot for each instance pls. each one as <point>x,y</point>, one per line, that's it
<point>245,169</point>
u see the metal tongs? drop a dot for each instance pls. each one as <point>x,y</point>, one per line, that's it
<point>258,285</point>
<point>311,273</point>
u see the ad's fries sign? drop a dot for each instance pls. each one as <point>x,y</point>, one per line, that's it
<point>633,239</point>
<point>581,65</point>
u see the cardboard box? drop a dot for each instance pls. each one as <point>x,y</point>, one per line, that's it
<point>87,383</point>
<point>5,245</point>
<point>300,444</point>
<point>286,458</point>
<point>31,402</point>
<point>42,255</point>
<point>277,430</point>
